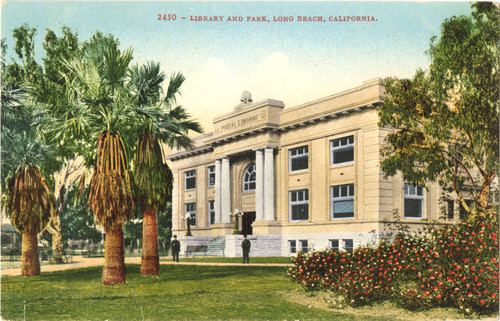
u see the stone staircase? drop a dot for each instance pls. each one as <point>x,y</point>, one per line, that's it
<point>216,246</point>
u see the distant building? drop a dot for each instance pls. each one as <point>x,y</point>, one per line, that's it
<point>302,177</point>
<point>11,239</point>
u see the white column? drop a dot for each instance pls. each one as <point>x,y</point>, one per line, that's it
<point>218,186</point>
<point>269,184</point>
<point>176,216</point>
<point>259,185</point>
<point>225,191</point>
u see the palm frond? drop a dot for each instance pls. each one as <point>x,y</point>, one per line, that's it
<point>174,85</point>
<point>29,202</point>
<point>110,196</point>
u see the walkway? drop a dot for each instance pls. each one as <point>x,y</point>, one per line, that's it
<point>81,262</point>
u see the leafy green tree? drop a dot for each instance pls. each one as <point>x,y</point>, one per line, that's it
<point>45,85</point>
<point>132,232</point>
<point>77,221</point>
<point>170,125</point>
<point>445,119</point>
<point>165,227</point>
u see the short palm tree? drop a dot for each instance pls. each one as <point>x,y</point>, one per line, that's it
<point>26,198</point>
<point>153,177</point>
<point>98,85</point>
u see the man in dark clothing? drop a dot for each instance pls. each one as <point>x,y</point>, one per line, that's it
<point>176,247</point>
<point>245,245</point>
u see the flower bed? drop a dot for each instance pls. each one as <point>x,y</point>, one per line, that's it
<point>453,265</point>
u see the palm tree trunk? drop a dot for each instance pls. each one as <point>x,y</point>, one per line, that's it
<point>150,262</point>
<point>114,257</point>
<point>30,264</point>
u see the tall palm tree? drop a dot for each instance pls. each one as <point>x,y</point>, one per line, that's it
<point>153,177</point>
<point>104,113</point>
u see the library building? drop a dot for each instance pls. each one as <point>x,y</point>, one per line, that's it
<point>293,179</point>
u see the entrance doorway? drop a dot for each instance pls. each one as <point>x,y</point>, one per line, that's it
<point>246,223</point>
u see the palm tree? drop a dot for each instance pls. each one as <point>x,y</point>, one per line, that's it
<point>104,113</point>
<point>26,198</point>
<point>153,177</point>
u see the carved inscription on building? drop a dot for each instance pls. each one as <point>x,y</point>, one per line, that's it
<point>240,122</point>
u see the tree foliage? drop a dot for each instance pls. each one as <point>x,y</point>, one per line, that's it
<point>445,119</point>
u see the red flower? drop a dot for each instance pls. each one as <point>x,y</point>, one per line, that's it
<point>482,302</point>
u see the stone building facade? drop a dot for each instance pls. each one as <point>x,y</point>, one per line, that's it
<point>297,178</point>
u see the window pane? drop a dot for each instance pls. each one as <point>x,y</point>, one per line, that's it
<point>343,190</point>
<point>249,178</point>
<point>294,196</point>
<point>300,212</point>
<point>348,245</point>
<point>190,183</point>
<point>343,155</point>
<point>450,209</point>
<point>299,163</point>
<point>336,191</point>
<point>343,209</point>
<point>303,246</point>
<point>413,207</point>
<point>334,244</point>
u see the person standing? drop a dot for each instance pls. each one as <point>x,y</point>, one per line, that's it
<point>176,247</point>
<point>245,245</point>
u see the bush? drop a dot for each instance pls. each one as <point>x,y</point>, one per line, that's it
<point>452,265</point>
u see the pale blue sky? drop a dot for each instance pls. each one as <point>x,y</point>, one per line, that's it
<point>294,62</point>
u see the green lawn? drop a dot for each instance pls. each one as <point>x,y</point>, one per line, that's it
<point>181,292</point>
<point>269,259</point>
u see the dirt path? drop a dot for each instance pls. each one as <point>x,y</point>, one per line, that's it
<point>80,262</point>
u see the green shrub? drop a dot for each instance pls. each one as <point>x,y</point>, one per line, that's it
<point>453,265</point>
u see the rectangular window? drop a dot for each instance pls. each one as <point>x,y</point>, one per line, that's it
<point>450,209</point>
<point>342,201</point>
<point>211,212</point>
<point>293,246</point>
<point>211,175</point>
<point>414,201</point>
<point>299,205</point>
<point>342,150</point>
<point>303,246</point>
<point>334,245</point>
<point>190,208</point>
<point>463,212</point>
<point>298,159</point>
<point>348,245</point>
<point>190,179</point>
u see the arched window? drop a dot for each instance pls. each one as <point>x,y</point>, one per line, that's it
<point>249,178</point>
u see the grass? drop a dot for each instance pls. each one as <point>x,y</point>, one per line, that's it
<point>184,292</point>
<point>181,292</point>
<point>262,260</point>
